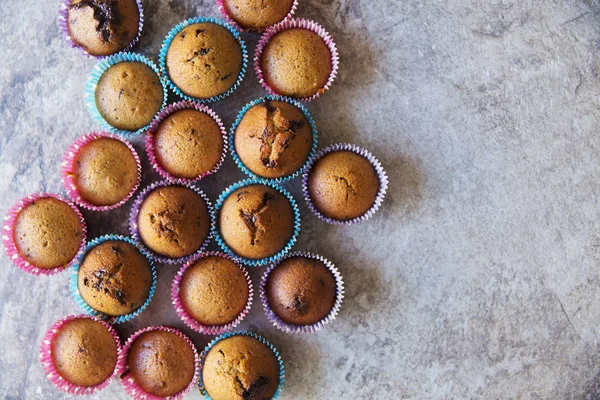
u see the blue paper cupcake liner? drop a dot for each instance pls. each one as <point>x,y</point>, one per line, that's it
<point>89,91</point>
<point>75,290</point>
<point>254,335</point>
<point>309,118</point>
<point>266,260</point>
<point>162,56</point>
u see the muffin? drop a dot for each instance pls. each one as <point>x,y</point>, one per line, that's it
<point>48,233</point>
<point>343,185</point>
<point>114,278</point>
<point>257,14</point>
<point>84,352</point>
<point>128,95</point>
<point>296,62</point>
<point>204,60</point>
<point>173,221</point>
<point>240,367</point>
<point>188,143</point>
<point>162,363</point>
<point>103,27</point>
<point>256,221</point>
<point>273,139</point>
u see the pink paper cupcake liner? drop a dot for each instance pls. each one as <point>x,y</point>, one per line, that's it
<point>383,182</point>
<point>68,168</point>
<point>239,28</point>
<point>11,247</point>
<point>128,382</point>
<point>48,365</point>
<point>303,24</point>
<point>166,112</point>
<point>188,319</point>
<point>312,328</point>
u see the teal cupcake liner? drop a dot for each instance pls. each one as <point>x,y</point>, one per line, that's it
<point>309,118</point>
<point>75,290</point>
<point>261,261</point>
<point>89,91</point>
<point>245,333</point>
<point>162,57</point>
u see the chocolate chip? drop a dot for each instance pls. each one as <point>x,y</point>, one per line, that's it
<point>257,390</point>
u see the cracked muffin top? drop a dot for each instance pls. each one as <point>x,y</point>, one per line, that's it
<point>48,233</point>
<point>188,143</point>
<point>128,95</point>
<point>84,352</point>
<point>273,139</point>
<point>256,221</point>
<point>257,14</point>
<point>173,221</point>
<point>301,290</point>
<point>204,60</point>
<point>161,363</point>
<point>240,367</point>
<point>103,27</point>
<point>114,278</point>
<point>343,185</point>
<point>296,62</point>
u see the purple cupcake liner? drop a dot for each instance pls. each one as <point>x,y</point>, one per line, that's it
<point>250,30</point>
<point>302,24</point>
<point>11,247</point>
<point>52,373</point>
<point>128,382</point>
<point>67,168</point>
<point>166,112</point>
<point>63,25</point>
<point>312,328</point>
<point>383,182</point>
<point>188,319</point>
<point>133,225</point>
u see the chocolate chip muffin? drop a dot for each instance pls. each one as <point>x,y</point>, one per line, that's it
<point>114,278</point>
<point>257,14</point>
<point>273,139</point>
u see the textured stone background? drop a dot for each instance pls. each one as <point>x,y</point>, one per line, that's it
<point>478,279</point>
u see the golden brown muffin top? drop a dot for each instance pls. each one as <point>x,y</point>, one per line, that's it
<point>257,14</point>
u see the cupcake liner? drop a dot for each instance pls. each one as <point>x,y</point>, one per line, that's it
<point>312,328</point>
<point>48,365</point>
<point>67,168</point>
<point>73,287</point>
<point>239,28</point>
<point>89,91</point>
<point>162,57</point>
<point>8,235</point>
<point>383,182</point>
<point>128,382</point>
<point>133,225</point>
<point>63,19</point>
<point>166,112</point>
<point>266,260</point>
<point>303,24</point>
<point>188,319</point>
<point>241,114</point>
<point>254,335</point>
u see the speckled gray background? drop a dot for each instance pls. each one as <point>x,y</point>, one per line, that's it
<point>479,278</point>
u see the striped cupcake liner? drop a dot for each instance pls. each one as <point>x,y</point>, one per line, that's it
<point>8,235</point>
<point>238,333</point>
<point>250,30</point>
<point>127,381</point>
<point>51,372</point>
<point>239,118</point>
<point>165,113</point>
<point>266,260</point>
<point>68,170</point>
<point>87,309</point>
<point>162,57</point>
<point>188,319</point>
<point>381,174</point>
<point>297,24</point>
<point>311,328</point>
<point>89,91</point>
<point>135,233</point>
